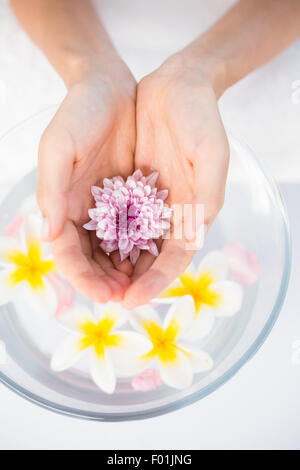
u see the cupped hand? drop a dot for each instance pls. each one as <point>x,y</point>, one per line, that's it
<point>91,137</point>
<point>181,135</point>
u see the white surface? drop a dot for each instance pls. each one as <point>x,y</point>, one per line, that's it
<point>260,406</point>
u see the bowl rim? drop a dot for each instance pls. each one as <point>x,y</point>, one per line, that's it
<point>218,382</point>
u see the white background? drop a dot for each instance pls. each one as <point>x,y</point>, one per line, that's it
<point>260,406</point>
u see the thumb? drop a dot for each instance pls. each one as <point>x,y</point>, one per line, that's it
<point>55,164</point>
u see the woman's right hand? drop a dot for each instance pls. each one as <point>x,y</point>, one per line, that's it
<point>92,136</point>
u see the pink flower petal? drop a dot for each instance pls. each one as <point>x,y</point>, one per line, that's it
<point>109,246</point>
<point>125,245</point>
<point>119,179</point>
<point>96,192</point>
<point>148,380</point>
<point>123,255</point>
<point>137,175</point>
<point>153,248</point>
<point>134,254</point>
<point>64,292</point>
<point>91,225</point>
<point>162,194</point>
<point>130,183</point>
<point>14,226</point>
<point>243,264</point>
<point>138,192</point>
<point>107,183</point>
<point>151,179</point>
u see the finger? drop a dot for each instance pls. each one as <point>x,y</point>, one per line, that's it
<point>171,262</point>
<point>117,290</point>
<point>124,266</point>
<point>55,164</point>
<point>105,261</point>
<point>144,262</point>
<point>74,264</point>
<point>117,280</point>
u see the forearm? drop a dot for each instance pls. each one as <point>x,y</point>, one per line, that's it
<point>250,34</point>
<point>69,33</point>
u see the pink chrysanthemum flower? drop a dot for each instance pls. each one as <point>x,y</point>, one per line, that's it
<point>129,215</point>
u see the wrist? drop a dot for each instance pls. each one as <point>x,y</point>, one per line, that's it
<point>208,68</point>
<point>77,67</point>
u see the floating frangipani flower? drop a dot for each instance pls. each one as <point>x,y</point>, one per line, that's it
<point>213,295</point>
<point>176,360</point>
<point>25,267</point>
<point>112,352</point>
<point>63,289</point>
<point>129,215</point>
<point>243,264</point>
<point>147,380</point>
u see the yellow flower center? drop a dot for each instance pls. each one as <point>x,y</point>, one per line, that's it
<point>99,335</point>
<point>30,266</point>
<point>163,341</point>
<point>199,289</point>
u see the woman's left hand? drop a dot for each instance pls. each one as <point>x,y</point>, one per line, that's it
<point>181,135</point>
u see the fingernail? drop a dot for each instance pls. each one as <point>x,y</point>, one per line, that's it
<point>153,287</point>
<point>45,229</point>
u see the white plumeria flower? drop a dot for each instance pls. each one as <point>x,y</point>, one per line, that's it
<point>175,359</point>
<point>112,352</point>
<point>213,295</point>
<point>25,266</point>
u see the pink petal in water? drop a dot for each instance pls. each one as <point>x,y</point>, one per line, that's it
<point>243,264</point>
<point>148,380</point>
<point>64,292</point>
<point>14,226</point>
